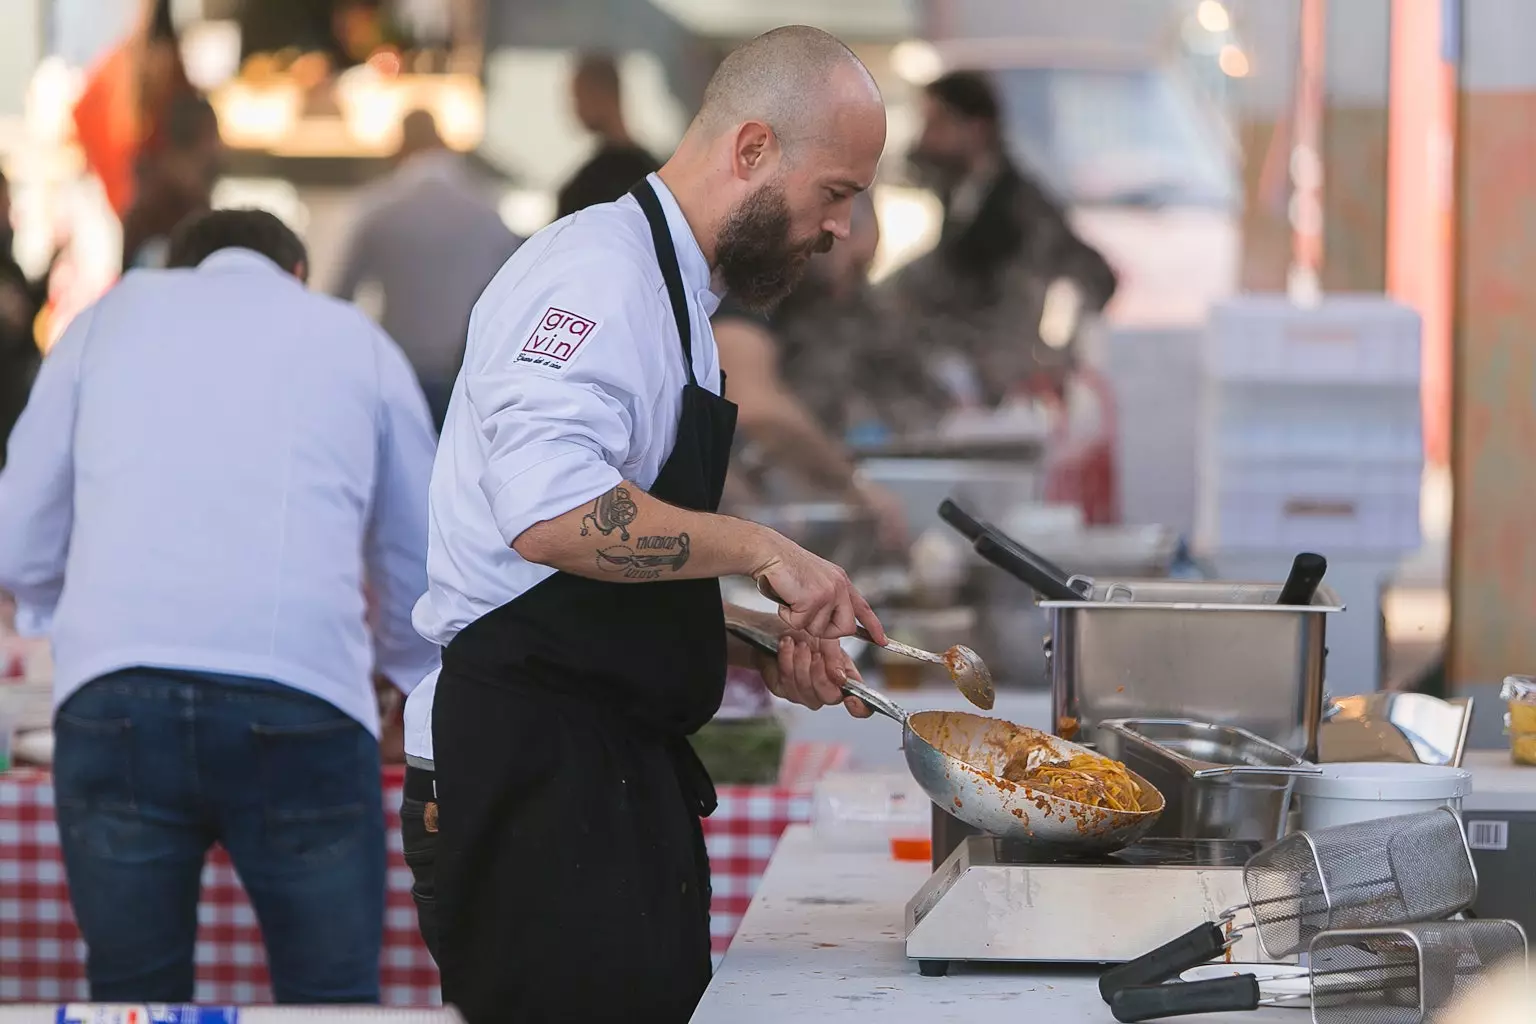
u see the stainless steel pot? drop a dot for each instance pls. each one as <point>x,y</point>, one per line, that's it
<point>1213,651</point>
<point>1220,782</point>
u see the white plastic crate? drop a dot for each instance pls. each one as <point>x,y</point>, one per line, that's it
<point>1338,506</point>
<point>1243,420</point>
<point>1358,339</point>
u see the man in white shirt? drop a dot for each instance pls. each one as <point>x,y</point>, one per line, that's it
<point>210,460</point>
<point>575,552</point>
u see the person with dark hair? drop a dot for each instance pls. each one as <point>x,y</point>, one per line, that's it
<point>618,163</point>
<point>202,235</point>
<point>431,240</point>
<point>801,392</point>
<point>1004,242</point>
<point>176,179</point>
<point>212,460</point>
<point>20,301</point>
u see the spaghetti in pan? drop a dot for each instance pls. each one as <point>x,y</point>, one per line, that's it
<point>1082,778</point>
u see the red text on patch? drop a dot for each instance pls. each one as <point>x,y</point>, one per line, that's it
<point>557,338</point>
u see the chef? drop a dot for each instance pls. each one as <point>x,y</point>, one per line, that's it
<point>575,554</point>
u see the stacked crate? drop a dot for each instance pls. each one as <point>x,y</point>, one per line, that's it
<point>1310,435</point>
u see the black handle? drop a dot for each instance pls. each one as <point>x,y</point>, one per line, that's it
<point>966,524</point>
<point>1219,995</point>
<point>1169,960</point>
<point>1017,563</point>
<point>1306,574</point>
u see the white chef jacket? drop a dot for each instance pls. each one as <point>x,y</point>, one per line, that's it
<point>572,382</point>
<point>207,464</point>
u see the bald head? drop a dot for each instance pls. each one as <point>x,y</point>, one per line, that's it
<point>794,79</point>
<point>791,130</point>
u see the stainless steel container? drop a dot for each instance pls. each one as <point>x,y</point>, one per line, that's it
<point>1209,651</point>
<point>1219,782</point>
<point>1013,623</point>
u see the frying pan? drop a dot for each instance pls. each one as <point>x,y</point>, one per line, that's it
<point>958,758</point>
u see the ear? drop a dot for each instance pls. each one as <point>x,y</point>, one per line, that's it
<point>755,148</point>
<point>301,271</point>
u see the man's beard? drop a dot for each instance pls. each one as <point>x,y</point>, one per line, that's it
<point>7,242</point>
<point>756,257</point>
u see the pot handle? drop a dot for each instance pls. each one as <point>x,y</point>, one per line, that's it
<point>1254,769</point>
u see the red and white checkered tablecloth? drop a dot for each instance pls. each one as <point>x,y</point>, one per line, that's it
<point>42,956</point>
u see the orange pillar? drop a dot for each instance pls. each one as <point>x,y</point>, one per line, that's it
<point>1493,420</point>
<point>1420,197</point>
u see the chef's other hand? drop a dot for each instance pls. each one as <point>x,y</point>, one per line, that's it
<point>810,672</point>
<point>817,595</point>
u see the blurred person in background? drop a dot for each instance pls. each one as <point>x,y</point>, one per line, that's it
<point>619,163</point>
<point>212,459</point>
<point>20,301</point>
<point>820,367</point>
<point>431,241</point>
<point>175,180</point>
<point>985,288</point>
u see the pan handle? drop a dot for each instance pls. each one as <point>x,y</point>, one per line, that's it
<point>753,636</point>
<point>1219,995</point>
<point>876,700</point>
<point>1191,949</point>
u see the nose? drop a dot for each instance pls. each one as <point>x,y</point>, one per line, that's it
<point>838,227</point>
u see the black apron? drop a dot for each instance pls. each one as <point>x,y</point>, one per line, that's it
<point>572,879</point>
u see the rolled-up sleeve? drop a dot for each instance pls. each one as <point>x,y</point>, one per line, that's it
<point>555,385</point>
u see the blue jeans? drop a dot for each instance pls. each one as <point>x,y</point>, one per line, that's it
<point>153,766</point>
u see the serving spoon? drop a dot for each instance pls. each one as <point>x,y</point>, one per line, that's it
<point>969,673</point>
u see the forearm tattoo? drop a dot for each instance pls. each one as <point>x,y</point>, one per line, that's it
<point>647,559</point>
<point>651,554</point>
<point>615,510</point>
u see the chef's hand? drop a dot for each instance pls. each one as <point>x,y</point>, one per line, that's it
<point>810,672</point>
<point>817,596</point>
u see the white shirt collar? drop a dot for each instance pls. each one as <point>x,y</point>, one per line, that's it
<point>236,258</point>
<point>690,258</point>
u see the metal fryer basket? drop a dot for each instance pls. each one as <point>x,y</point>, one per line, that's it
<point>1368,874</point>
<point>1406,974</point>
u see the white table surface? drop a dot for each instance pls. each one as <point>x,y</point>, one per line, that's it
<point>823,941</point>
<point>1498,784</point>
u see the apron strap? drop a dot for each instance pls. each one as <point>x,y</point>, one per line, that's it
<point>666,259</point>
<point>698,788</point>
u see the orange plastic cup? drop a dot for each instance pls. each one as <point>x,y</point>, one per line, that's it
<point>912,848</point>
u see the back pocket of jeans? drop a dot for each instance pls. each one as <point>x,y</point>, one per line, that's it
<point>315,782</point>
<point>93,762</point>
